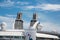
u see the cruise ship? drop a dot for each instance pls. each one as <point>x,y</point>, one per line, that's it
<point>19,33</point>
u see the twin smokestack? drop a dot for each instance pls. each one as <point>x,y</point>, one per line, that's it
<point>19,22</point>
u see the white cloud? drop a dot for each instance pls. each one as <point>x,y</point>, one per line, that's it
<point>53,7</point>
<point>50,7</point>
<point>50,26</point>
<point>30,7</point>
<point>18,4</point>
<point>26,25</point>
<point>22,3</point>
<point>7,3</point>
<point>10,3</point>
<point>8,20</point>
<point>8,15</point>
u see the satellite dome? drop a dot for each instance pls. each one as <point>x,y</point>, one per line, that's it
<point>3,26</point>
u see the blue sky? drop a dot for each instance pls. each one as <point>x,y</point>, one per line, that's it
<point>48,12</point>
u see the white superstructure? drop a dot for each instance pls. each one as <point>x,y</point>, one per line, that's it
<point>19,33</point>
<point>25,34</point>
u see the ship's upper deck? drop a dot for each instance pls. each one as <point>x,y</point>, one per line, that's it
<point>21,33</point>
<point>12,33</point>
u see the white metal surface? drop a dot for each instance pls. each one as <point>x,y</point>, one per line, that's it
<point>12,33</point>
<point>21,33</point>
<point>46,35</point>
